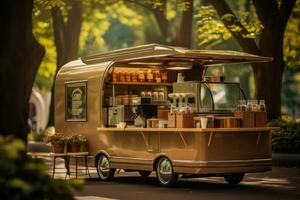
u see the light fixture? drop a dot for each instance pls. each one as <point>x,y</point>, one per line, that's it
<point>145,63</point>
<point>179,66</point>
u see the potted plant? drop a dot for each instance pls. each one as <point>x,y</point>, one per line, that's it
<point>57,141</point>
<point>76,142</point>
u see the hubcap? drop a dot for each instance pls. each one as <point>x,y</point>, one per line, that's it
<point>165,170</point>
<point>103,166</point>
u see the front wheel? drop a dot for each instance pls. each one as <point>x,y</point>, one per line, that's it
<point>164,172</point>
<point>104,171</point>
<point>234,179</point>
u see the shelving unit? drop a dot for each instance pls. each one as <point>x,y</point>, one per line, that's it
<point>140,83</point>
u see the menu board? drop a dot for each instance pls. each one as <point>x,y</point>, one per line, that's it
<point>76,101</point>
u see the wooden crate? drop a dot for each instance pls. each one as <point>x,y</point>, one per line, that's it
<point>184,120</point>
<point>248,118</point>
<point>261,119</point>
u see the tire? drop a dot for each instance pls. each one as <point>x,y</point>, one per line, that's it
<point>165,175</point>
<point>105,173</point>
<point>234,179</point>
<point>144,173</point>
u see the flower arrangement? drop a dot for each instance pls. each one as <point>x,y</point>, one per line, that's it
<point>57,141</point>
<point>76,142</point>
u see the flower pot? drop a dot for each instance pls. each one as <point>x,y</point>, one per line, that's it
<point>58,148</point>
<point>75,147</point>
<point>84,147</point>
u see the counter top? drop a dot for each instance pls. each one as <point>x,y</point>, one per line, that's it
<point>191,129</point>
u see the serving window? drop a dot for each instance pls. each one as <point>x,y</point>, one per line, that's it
<point>76,101</point>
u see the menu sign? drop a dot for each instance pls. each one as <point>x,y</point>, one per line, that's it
<point>76,101</point>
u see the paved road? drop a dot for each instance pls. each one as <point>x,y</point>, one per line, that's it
<point>280,183</point>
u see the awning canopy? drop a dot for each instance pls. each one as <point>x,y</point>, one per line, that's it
<point>162,54</point>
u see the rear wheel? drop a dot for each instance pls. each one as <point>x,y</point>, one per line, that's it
<point>164,172</point>
<point>234,179</point>
<point>104,171</point>
<point>144,173</point>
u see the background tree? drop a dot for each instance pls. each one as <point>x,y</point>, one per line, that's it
<point>66,37</point>
<point>20,56</point>
<point>173,31</point>
<point>274,16</point>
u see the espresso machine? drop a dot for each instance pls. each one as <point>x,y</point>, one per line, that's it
<point>143,112</point>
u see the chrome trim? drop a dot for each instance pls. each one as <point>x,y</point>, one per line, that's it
<point>223,161</point>
<point>130,158</point>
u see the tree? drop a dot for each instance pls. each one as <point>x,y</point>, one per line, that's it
<point>20,57</point>
<point>182,34</point>
<point>268,76</point>
<point>66,38</point>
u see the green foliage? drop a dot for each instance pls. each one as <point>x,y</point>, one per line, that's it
<point>292,39</point>
<point>77,139</point>
<point>43,32</point>
<point>211,31</point>
<point>287,139</point>
<point>25,178</point>
<point>57,138</point>
<point>35,136</point>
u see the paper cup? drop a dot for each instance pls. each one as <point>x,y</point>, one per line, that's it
<point>203,121</point>
<point>122,124</point>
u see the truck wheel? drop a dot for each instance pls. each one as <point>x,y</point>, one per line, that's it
<point>164,172</point>
<point>234,179</point>
<point>144,173</point>
<point>105,173</point>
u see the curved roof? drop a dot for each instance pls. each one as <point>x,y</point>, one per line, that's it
<point>164,53</point>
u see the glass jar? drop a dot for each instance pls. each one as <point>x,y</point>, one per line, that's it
<point>122,76</point>
<point>262,105</point>
<point>249,105</point>
<point>154,96</point>
<point>127,77</point>
<point>254,107</point>
<point>115,76</point>
<point>157,77</point>
<point>161,96</point>
<point>149,76</point>
<point>141,76</point>
<point>164,76</point>
<point>143,94</point>
<point>242,105</point>
<point>134,76</point>
<point>149,94</point>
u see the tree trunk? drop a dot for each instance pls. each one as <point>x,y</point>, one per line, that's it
<point>268,76</point>
<point>66,38</point>
<point>186,26</point>
<point>20,57</point>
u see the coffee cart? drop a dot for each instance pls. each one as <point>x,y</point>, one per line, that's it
<point>121,101</point>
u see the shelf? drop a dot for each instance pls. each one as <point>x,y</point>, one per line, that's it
<point>140,83</point>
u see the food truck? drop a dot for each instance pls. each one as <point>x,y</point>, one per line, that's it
<point>152,108</point>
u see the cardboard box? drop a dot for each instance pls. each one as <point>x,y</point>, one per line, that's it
<point>171,120</point>
<point>184,120</point>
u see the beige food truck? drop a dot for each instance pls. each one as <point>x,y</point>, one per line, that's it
<point>153,108</point>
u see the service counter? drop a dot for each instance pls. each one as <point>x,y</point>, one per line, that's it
<point>200,130</point>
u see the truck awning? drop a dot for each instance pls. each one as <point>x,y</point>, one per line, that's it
<point>163,54</point>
